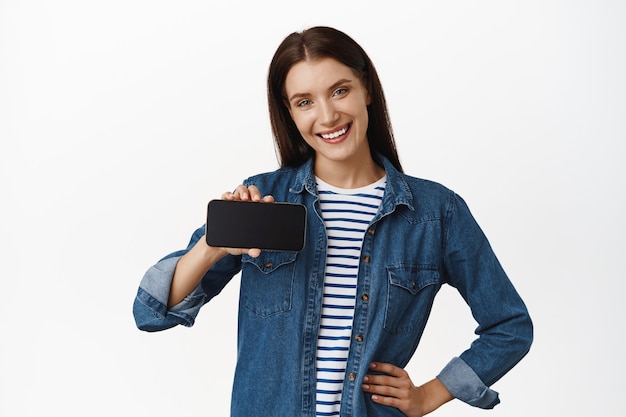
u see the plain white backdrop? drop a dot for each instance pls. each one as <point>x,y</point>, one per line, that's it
<point>120,120</point>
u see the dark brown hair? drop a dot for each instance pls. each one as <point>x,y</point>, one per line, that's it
<point>316,43</point>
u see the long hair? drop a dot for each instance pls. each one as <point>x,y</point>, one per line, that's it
<point>316,43</point>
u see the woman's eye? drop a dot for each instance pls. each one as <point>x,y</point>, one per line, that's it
<point>303,103</point>
<point>340,91</point>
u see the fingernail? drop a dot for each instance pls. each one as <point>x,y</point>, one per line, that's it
<point>366,379</point>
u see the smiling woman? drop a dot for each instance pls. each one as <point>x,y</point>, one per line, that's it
<point>328,103</point>
<point>379,245</point>
<point>313,46</point>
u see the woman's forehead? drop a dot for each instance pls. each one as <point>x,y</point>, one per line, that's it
<point>316,74</point>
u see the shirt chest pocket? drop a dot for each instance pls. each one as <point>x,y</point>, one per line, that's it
<point>411,290</point>
<point>267,282</point>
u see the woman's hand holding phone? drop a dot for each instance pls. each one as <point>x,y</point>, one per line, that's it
<point>243,193</point>
<point>192,266</point>
<point>243,220</point>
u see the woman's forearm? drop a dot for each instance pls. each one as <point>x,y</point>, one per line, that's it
<point>191,268</point>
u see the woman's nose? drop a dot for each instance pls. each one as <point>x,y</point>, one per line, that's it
<point>328,114</point>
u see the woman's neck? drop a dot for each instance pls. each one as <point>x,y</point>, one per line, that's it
<point>349,175</point>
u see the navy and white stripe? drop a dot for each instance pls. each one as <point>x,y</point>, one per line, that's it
<point>346,213</point>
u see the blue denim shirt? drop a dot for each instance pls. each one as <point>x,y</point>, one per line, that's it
<point>422,237</point>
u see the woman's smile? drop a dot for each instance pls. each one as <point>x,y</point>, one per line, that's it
<point>337,135</point>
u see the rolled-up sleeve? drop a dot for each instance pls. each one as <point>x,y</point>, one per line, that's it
<point>150,305</point>
<point>465,385</point>
<point>505,330</point>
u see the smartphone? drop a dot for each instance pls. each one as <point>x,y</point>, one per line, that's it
<point>248,224</point>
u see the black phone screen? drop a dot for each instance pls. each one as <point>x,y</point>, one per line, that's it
<point>247,224</point>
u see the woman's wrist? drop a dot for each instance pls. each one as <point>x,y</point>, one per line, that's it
<point>208,254</point>
<point>436,394</point>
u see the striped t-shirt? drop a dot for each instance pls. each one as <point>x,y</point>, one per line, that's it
<point>347,214</point>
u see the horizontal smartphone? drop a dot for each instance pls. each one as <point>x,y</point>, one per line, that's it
<point>247,224</point>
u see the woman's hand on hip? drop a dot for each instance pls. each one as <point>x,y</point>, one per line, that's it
<point>395,389</point>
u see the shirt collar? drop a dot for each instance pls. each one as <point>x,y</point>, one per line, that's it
<point>397,190</point>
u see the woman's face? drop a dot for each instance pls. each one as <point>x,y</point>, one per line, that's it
<point>328,104</point>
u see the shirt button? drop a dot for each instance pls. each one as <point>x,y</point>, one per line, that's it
<point>268,265</point>
<point>352,377</point>
<point>358,338</point>
<point>365,297</point>
<point>367,259</point>
<point>371,231</point>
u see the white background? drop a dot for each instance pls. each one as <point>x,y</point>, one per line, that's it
<point>119,120</point>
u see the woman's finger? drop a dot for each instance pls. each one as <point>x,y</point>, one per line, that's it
<point>253,193</point>
<point>243,193</point>
<point>381,389</point>
<point>382,380</point>
<point>389,369</point>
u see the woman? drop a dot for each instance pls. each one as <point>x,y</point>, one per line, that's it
<point>328,330</point>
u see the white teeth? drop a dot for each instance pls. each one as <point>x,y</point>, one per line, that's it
<point>335,134</point>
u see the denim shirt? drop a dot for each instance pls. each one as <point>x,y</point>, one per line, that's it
<point>423,236</point>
